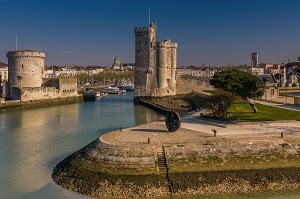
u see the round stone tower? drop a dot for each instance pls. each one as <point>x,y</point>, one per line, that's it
<point>25,69</point>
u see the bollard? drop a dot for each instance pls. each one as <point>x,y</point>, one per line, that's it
<point>215,132</point>
<point>120,129</point>
<point>281,134</point>
<point>148,140</point>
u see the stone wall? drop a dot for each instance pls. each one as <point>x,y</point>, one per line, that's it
<point>123,158</point>
<point>230,155</point>
<point>39,93</point>
<point>296,100</point>
<point>50,82</point>
<point>186,85</point>
<point>68,87</point>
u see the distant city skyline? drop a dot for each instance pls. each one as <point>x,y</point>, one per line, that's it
<point>93,32</point>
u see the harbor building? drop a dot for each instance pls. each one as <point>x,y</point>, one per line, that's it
<point>155,63</point>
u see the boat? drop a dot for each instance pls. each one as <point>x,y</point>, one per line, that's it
<point>112,90</point>
<point>129,87</point>
<point>101,94</point>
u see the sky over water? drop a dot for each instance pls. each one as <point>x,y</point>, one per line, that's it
<point>93,32</point>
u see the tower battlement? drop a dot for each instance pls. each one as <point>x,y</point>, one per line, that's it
<point>167,43</point>
<point>25,54</point>
<point>141,29</point>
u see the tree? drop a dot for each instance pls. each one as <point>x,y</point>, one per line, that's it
<point>240,83</point>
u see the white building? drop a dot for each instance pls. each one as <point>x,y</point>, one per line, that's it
<point>3,72</point>
<point>257,71</point>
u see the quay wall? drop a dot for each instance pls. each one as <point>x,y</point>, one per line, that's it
<point>20,105</point>
<point>123,158</point>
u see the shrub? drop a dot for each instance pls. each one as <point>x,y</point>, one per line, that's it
<point>220,102</point>
<point>196,100</point>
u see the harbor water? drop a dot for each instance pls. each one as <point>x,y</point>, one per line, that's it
<point>33,141</point>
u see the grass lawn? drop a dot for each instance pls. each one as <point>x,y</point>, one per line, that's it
<point>242,112</point>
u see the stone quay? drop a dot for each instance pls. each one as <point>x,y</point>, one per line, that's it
<point>204,157</point>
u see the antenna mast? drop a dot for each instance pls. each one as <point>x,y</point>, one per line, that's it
<point>16,42</point>
<point>149,16</point>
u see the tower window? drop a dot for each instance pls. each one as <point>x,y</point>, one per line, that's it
<point>139,43</point>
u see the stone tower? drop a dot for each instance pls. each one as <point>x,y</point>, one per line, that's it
<point>25,69</point>
<point>155,63</point>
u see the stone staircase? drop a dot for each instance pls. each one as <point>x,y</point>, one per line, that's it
<point>167,188</point>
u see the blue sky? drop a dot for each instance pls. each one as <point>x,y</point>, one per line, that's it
<point>93,32</point>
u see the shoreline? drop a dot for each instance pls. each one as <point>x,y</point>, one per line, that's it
<point>18,105</point>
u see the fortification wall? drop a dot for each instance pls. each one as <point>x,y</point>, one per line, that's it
<point>186,85</point>
<point>50,82</point>
<point>116,157</point>
<point>68,87</point>
<point>39,93</point>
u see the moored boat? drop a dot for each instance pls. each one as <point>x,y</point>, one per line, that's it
<point>101,94</point>
<point>112,90</point>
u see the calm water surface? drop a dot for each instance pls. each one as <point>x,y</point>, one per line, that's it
<point>33,141</point>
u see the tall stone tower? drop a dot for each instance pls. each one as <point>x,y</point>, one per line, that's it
<point>155,63</point>
<point>254,59</point>
<point>25,69</point>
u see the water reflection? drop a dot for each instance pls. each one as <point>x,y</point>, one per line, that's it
<point>143,115</point>
<point>33,141</point>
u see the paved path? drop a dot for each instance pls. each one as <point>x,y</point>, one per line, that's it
<point>194,128</point>
<point>195,122</point>
<point>285,106</point>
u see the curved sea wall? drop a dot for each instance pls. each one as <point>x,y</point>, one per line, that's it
<point>108,171</point>
<point>129,163</point>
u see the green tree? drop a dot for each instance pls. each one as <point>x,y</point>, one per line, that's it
<point>240,83</point>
